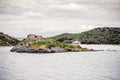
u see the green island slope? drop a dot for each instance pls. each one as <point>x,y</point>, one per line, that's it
<point>6,40</point>
<point>103,35</point>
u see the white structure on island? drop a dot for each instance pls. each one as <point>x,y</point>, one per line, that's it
<point>76,42</point>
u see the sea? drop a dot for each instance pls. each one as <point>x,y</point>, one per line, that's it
<point>102,64</point>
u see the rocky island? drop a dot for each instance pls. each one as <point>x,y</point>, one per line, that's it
<point>38,44</point>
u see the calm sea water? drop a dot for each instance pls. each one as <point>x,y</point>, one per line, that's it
<point>97,65</point>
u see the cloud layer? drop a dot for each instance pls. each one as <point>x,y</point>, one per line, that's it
<point>50,17</point>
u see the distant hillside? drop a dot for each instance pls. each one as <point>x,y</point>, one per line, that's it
<point>105,35</point>
<point>6,40</point>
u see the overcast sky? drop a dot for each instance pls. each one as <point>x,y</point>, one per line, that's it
<point>51,17</point>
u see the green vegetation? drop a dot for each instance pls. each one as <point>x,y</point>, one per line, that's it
<point>38,44</point>
<point>48,44</point>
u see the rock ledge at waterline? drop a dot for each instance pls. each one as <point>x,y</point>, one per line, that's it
<point>38,44</point>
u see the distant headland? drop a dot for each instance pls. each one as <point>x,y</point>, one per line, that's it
<point>104,35</point>
<point>6,40</point>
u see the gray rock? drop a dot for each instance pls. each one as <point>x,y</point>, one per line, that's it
<point>57,49</point>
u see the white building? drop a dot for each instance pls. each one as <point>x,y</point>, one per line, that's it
<point>76,43</point>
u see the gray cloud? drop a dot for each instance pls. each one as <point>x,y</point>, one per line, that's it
<point>65,14</point>
<point>60,8</point>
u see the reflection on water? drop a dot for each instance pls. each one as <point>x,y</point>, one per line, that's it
<point>97,65</point>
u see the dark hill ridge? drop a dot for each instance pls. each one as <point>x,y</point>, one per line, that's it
<point>6,40</point>
<point>104,35</point>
